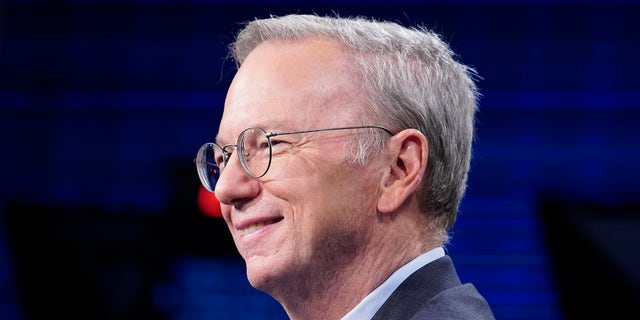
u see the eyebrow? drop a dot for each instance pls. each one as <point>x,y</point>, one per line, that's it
<point>270,126</point>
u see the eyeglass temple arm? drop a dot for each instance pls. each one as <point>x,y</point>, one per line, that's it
<point>273,134</point>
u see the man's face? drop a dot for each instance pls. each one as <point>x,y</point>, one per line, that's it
<point>308,216</point>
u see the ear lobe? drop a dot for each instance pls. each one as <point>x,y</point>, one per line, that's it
<point>409,153</point>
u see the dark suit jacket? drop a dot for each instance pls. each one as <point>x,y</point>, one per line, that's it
<point>435,292</point>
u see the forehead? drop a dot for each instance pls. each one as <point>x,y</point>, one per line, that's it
<point>291,85</point>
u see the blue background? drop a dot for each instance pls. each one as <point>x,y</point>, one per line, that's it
<point>103,105</point>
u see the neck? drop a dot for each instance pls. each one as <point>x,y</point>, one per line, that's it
<point>332,292</point>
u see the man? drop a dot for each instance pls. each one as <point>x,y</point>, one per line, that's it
<point>340,162</point>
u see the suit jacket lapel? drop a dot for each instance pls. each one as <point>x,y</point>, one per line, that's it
<point>418,288</point>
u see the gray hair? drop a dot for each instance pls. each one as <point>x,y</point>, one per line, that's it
<point>412,80</point>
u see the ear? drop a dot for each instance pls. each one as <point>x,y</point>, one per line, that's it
<point>409,153</point>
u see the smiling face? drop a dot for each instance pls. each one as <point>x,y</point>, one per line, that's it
<point>308,217</point>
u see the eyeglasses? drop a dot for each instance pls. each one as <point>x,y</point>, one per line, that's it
<point>254,149</point>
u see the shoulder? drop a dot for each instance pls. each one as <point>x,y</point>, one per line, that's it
<point>459,302</point>
<point>435,292</point>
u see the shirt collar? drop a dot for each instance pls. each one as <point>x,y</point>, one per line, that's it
<point>368,307</point>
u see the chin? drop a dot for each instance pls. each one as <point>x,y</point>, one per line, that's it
<point>260,279</point>
<point>265,275</point>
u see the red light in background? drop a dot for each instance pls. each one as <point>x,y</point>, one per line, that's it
<point>208,203</point>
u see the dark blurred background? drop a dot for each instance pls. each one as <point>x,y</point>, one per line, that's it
<point>104,103</point>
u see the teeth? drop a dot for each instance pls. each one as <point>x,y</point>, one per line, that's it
<point>250,229</point>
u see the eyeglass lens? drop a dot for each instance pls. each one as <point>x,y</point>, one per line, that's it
<point>253,150</point>
<point>208,169</point>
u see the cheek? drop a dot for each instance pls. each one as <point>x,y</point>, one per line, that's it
<point>325,192</point>
<point>226,215</point>
<point>339,198</point>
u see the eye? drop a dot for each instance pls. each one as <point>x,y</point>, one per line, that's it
<point>219,159</point>
<point>255,149</point>
<point>263,145</point>
<point>223,157</point>
<point>278,145</point>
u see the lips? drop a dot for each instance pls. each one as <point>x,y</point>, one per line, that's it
<point>253,227</point>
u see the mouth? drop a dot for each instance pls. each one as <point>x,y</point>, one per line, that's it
<point>258,225</point>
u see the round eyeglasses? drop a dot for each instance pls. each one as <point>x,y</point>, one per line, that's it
<point>254,149</point>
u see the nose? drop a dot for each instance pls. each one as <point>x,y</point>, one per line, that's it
<point>234,183</point>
